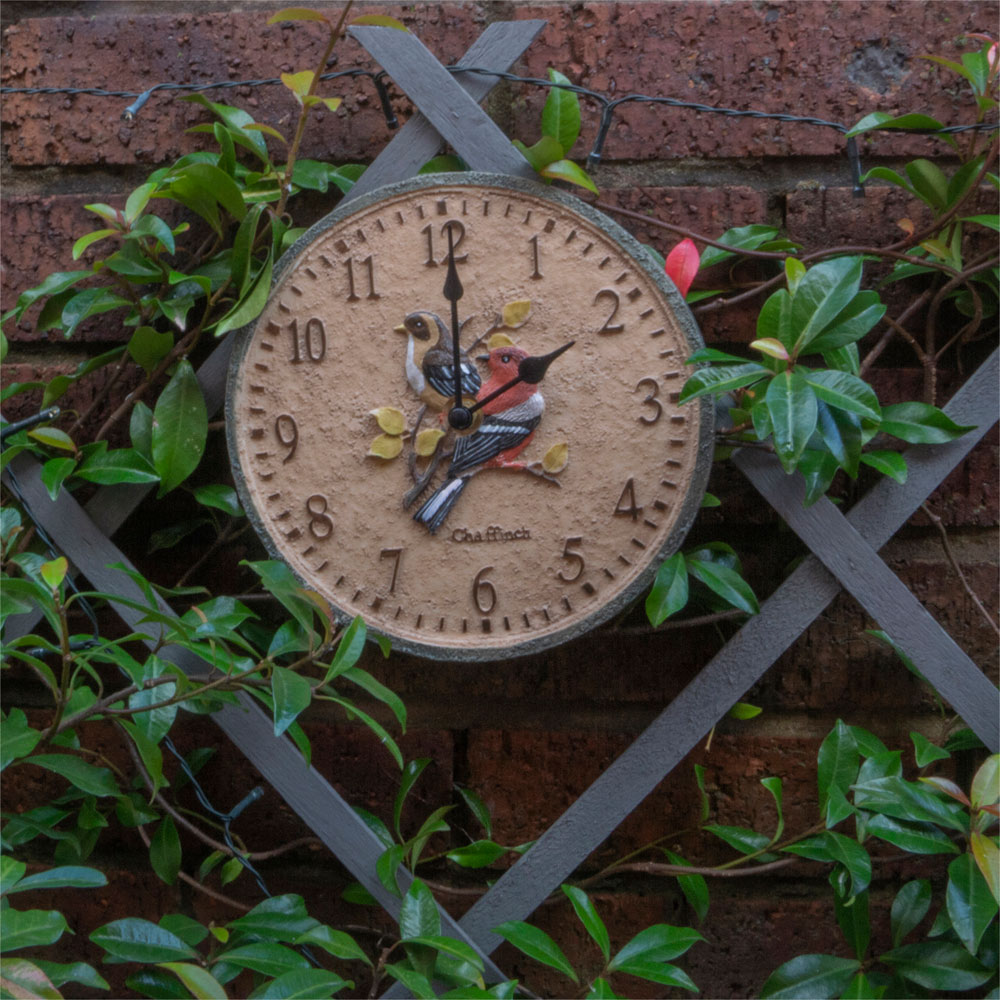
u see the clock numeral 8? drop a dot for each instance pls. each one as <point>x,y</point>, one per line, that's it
<point>484,594</point>
<point>320,523</point>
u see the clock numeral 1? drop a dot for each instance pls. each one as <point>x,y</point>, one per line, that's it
<point>536,272</point>
<point>484,594</point>
<point>650,400</point>
<point>320,522</point>
<point>458,234</point>
<point>286,430</point>
<point>609,325</point>
<point>369,265</point>
<point>395,555</point>
<point>575,559</point>
<point>311,346</point>
<point>627,507</point>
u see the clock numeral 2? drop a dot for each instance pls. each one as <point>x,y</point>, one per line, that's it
<point>320,523</point>
<point>458,234</point>
<point>574,558</point>
<point>484,594</point>
<point>369,265</point>
<point>609,325</point>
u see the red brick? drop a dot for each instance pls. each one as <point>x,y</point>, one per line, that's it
<point>806,59</point>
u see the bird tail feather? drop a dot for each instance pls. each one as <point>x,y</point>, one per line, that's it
<point>436,508</point>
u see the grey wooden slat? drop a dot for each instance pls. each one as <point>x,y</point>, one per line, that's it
<point>742,662</point>
<point>315,800</point>
<point>454,114</point>
<point>837,544</point>
<point>418,140</point>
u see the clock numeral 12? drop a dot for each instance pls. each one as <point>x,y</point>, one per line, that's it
<point>369,265</point>
<point>458,234</point>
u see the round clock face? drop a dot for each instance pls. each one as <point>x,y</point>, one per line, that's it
<point>577,472</point>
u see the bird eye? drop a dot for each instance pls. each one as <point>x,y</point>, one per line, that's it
<point>505,358</point>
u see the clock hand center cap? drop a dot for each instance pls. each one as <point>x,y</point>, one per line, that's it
<point>460,418</point>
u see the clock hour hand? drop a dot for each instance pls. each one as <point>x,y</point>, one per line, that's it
<point>530,369</point>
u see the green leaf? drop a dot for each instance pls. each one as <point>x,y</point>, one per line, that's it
<point>89,302</point>
<point>894,796</point>
<point>449,946</point>
<point>743,710</point>
<point>133,939</point>
<point>813,976</point>
<point>267,957</point>
<point>670,590</point>
<point>85,241</point>
<point>120,465</point>
<point>659,972</point>
<point>921,423</point>
<point>570,172</point>
<point>915,838</point>
<point>477,807</point>
<point>54,284</point>
<point>841,432</point>
<point>153,227</point>
<point>926,752</point>
<point>929,182</point>
<point>742,839</point>
<point>822,294</point>
<point>165,851</point>
<point>148,347</point>
<point>11,872</point>
<point>292,694</point>
<point>54,474</point>
<point>350,646</point>
<point>17,738</point>
<point>849,325</point>
<point>853,857</point>
<point>200,982</point>
<point>725,378</point>
<point>411,773</point>
<point>547,150</point>
<point>658,943</point>
<point>889,463</point>
<point>791,404</point>
<point>561,113</point>
<point>281,918</point>
<point>180,428</point>
<point>380,21</point>
<point>478,854</point>
<point>29,928</point>
<point>418,915</point>
<point>970,903</point>
<point>251,304</point>
<point>846,392</point>
<point>64,877</point>
<point>301,984</point>
<point>446,163</point>
<point>908,908</point>
<point>750,237</point>
<point>87,777</point>
<point>837,763</point>
<point>853,918</point>
<point>883,120</point>
<point>536,944</point>
<point>725,582</point>
<point>21,978</point>
<point>336,943</point>
<point>419,985</point>
<point>52,437</point>
<point>937,965</point>
<point>220,497</point>
<point>694,887</point>
<point>590,918</point>
<point>74,972</point>
<point>985,790</point>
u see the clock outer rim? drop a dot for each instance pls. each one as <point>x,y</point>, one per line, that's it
<point>479,652</point>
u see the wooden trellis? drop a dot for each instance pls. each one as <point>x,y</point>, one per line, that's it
<point>844,554</point>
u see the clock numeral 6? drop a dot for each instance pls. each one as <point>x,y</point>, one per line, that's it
<point>320,523</point>
<point>484,594</point>
<point>626,506</point>
<point>651,400</point>
<point>609,325</point>
<point>286,430</point>
<point>458,234</point>
<point>575,559</point>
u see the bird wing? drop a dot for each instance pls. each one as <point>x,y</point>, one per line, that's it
<point>441,378</point>
<point>494,436</point>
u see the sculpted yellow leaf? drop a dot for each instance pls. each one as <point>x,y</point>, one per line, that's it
<point>427,441</point>
<point>556,458</point>
<point>386,446</point>
<point>390,419</point>
<point>515,314</point>
<point>499,340</point>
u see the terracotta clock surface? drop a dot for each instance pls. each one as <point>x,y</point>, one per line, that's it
<point>494,507</point>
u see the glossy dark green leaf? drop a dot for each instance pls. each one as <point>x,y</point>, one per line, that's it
<point>658,943</point>
<point>926,752</point>
<point>725,582</point>
<point>909,907</point>
<point>570,172</point>
<point>53,284</point>
<point>853,918</point>
<point>749,237</point>
<point>446,163</point>
<point>409,777</point>
<point>477,807</point>
<point>17,738</point>
<point>694,887</point>
<point>906,800</point>
<point>280,918</point>
<point>180,428</point>
<point>722,379</point>
<point>791,404</point>
<point>587,914</point>
<point>219,497</point>
<point>152,226</point>
<point>418,915</point>
<point>133,939</point>
<point>842,434</point>
<point>846,392</point>
<point>547,150</point>
<point>536,944</point>
<point>350,646</point>
<point>658,972</point>
<point>148,347</point>
<point>89,302</point>
<point>28,928</point>
<point>670,590</point>
<point>889,463</point>
<point>479,854</point>
<point>810,976</point>
<point>250,304</point>
<point>301,984</point>
<point>292,694</point>
<point>883,120</point>
<point>817,469</point>
<point>837,762</point>
<point>60,973</point>
<point>165,851</point>
<point>971,905</point>
<point>914,838</point>
<point>450,946</point>
<point>334,942</point>
<point>115,466</point>
<point>417,983</point>
<point>268,957</point>
<point>63,877</point>
<point>561,113</point>
<point>938,965</point>
<point>742,839</point>
<point>87,777</point>
<point>21,978</point>
<point>921,423</point>
<point>929,182</point>
<point>825,291</point>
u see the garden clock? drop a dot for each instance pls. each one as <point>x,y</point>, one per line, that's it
<point>458,417</point>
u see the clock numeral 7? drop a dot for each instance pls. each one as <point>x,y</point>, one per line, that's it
<point>458,234</point>
<point>395,555</point>
<point>575,559</point>
<point>484,594</point>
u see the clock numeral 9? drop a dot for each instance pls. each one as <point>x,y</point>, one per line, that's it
<point>320,523</point>
<point>650,400</point>
<point>609,325</point>
<point>626,506</point>
<point>575,559</point>
<point>458,234</point>
<point>312,345</point>
<point>286,430</point>
<point>484,594</point>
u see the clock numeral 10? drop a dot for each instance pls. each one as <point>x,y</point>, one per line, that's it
<point>484,594</point>
<point>368,264</point>
<point>575,560</point>
<point>458,234</point>
<point>310,345</point>
<point>320,522</point>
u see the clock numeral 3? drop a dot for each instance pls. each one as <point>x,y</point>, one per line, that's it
<point>650,400</point>
<point>609,325</point>
<point>368,264</point>
<point>458,234</point>
<point>320,523</point>
<point>311,346</point>
<point>286,430</point>
<point>627,507</point>
<point>574,558</point>
<point>484,594</point>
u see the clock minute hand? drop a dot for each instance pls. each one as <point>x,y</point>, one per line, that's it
<point>530,369</point>
<point>453,291</point>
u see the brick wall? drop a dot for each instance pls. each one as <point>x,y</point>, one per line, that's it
<point>530,735</point>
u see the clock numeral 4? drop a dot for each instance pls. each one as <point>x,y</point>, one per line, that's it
<point>320,522</point>
<point>368,265</point>
<point>627,506</point>
<point>310,344</point>
<point>457,233</point>
<point>575,561</point>
<point>286,430</point>
<point>610,326</point>
<point>484,594</point>
<point>651,400</point>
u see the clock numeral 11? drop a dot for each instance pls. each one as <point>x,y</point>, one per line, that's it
<point>368,265</point>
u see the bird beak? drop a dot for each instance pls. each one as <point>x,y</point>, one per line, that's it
<point>482,357</point>
<point>400,329</point>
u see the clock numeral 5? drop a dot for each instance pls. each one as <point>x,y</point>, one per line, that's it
<point>609,325</point>
<point>484,594</point>
<point>458,234</point>
<point>320,523</point>
<point>575,559</point>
